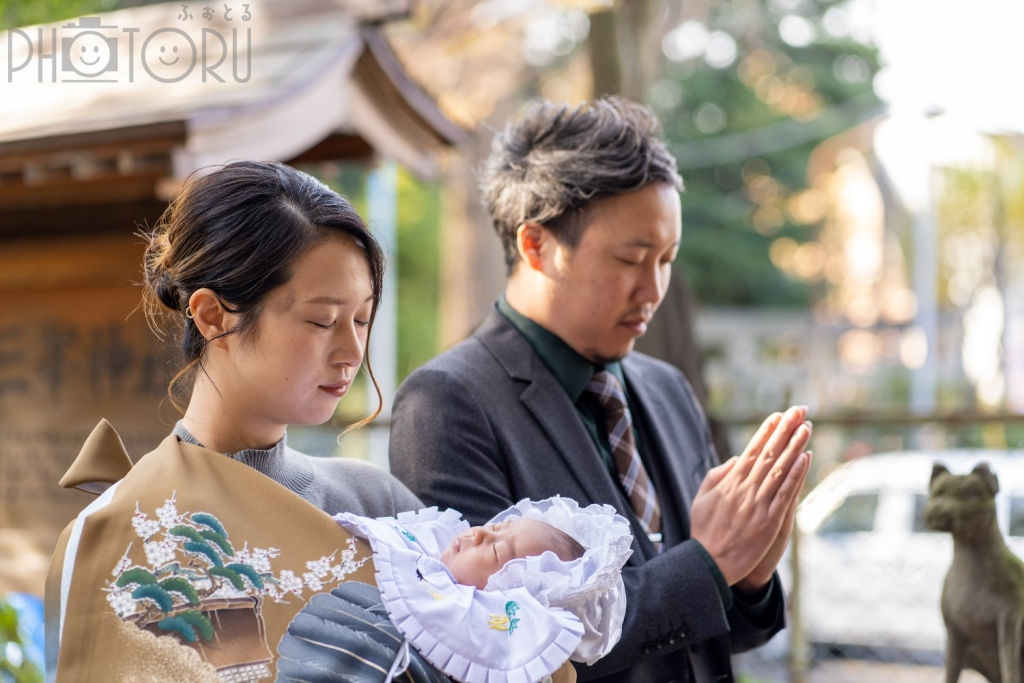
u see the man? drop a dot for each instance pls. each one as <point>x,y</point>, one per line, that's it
<point>546,398</point>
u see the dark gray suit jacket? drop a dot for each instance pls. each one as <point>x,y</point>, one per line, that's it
<point>486,424</point>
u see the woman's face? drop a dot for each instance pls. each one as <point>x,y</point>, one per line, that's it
<point>307,343</point>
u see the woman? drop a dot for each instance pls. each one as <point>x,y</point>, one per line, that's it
<point>191,565</point>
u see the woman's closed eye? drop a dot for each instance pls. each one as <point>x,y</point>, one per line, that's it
<point>324,327</point>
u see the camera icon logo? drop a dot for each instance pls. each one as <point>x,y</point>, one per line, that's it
<point>88,53</point>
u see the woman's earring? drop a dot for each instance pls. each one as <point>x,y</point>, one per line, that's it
<point>189,313</point>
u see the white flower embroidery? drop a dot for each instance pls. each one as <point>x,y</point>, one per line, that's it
<point>159,553</point>
<point>124,563</point>
<point>290,583</point>
<point>261,559</point>
<point>312,582</point>
<point>319,568</point>
<point>122,602</point>
<point>144,527</point>
<point>168,513</point>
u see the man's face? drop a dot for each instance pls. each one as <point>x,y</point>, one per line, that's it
<point>606,288</point>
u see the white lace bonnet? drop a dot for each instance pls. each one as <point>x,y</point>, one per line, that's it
<point>534,614</point>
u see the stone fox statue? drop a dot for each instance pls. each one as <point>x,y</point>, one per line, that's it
<point>983,596</point>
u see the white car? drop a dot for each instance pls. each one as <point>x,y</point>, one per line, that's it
<point>871,573</point>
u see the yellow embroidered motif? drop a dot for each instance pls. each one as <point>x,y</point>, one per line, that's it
<point>507,622</point>
<point>498,623</point>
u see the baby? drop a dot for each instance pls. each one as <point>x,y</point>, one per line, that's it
<point>511,600</point>
<point>481,551</point>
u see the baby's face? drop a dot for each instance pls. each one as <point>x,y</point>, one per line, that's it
<point>481,551</point>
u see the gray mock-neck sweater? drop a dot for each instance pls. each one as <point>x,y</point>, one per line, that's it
<point>332,484</point>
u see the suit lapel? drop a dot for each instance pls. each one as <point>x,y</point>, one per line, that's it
<point>547,401</point>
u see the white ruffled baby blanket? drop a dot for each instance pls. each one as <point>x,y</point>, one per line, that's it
<point>535,613</point>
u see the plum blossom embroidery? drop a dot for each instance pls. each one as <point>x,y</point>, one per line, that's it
<point>192,563</point>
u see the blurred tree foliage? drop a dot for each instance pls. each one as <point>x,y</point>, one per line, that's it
<point>14,666</point>
<point>419,281</point>
<point>743,109</point>
<point>14,13</point>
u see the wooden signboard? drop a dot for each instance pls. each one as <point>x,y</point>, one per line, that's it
<point>74,348</point>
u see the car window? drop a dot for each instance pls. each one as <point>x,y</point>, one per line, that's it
<point>855,514</point>
<point>1017,516</point>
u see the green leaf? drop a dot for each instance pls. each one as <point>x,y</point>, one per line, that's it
<point>249,573</point>
<point>210,522</point>
<point>220,540</point>
<point>179,585</point>
<point>138,575</point>
<point>204,548</point>
<point>185,531</point>
<point>200,622</point>
<point>179,626</point>
<point>231,575</point>
<point>155,593</point>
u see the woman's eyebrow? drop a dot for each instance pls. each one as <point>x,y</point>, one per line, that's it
<point>332,300</point>
<point>325,300</point>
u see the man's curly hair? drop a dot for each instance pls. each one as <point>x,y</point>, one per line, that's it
<point>556,160</point>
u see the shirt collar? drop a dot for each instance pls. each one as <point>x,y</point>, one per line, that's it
<point>572,370</point>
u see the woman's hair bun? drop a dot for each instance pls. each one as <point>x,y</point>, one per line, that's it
<point>158,276</point>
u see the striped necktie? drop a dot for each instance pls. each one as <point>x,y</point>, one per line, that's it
<point>619,424</point>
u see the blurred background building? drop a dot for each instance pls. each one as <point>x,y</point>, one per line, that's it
<point>853,220</point>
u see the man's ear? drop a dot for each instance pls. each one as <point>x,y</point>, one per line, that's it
<point>532,239</point>
<point>209,315</point>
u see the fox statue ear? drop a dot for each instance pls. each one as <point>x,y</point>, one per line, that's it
<point>985,473</point>
<point>937,469</point>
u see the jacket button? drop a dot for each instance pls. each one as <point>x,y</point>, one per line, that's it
<point>662,642</point>
<point>685,633</point>
<point>647,648</point>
